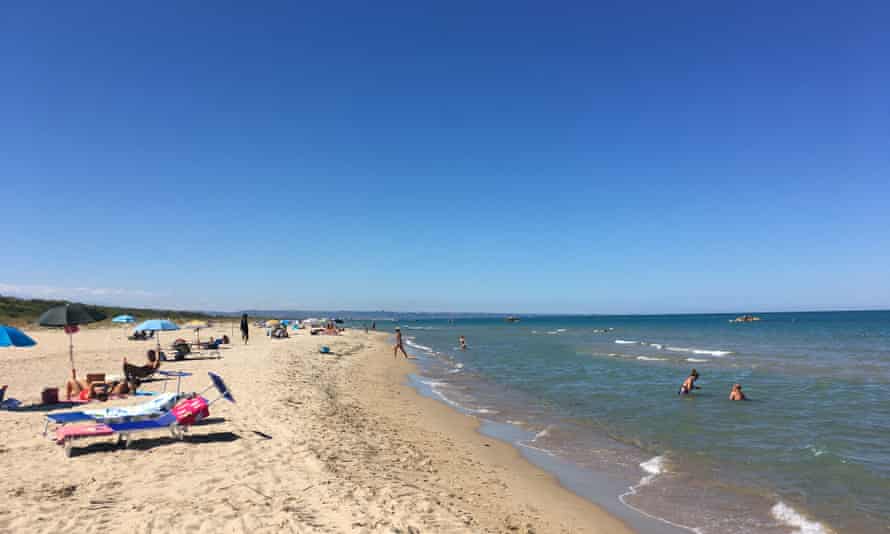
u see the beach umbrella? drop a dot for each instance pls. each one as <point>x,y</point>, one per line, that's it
<point>123,319</point>
<point>273,322</point>
<point>196,325</point>
<point>13,337</point>
<point>157,325</point>
<point>69,316</point>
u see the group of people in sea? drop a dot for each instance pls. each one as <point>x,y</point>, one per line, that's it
<point>736,394</point>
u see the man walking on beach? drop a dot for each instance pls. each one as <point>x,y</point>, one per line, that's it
<point>244,328</point>
<point>398,347</point>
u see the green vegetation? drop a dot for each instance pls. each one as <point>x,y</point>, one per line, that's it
<point>25,312</point>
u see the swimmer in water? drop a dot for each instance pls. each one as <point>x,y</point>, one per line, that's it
<point>736,394</point>
<point>689,384</point>
<point>463,343</point>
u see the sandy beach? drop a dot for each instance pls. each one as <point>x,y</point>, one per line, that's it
<point>315,443</point>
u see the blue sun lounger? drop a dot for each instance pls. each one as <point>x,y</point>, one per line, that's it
<point>176,420</point>
<point>153,408</point>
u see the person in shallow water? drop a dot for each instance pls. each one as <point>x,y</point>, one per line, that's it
<point>463,343</point>
<point>398,346</point>
<point>736,394</point>
<point>689,384</point>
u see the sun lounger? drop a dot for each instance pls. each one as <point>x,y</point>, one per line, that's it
<point>153,408</point>
<point>177,420</point>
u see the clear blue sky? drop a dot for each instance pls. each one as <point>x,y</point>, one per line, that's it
<point>466,156</point>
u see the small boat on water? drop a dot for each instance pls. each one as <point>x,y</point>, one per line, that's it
<point>512,319</point>
<point>745,319</point>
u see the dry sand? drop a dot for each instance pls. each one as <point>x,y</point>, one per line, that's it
<point>316,443</point>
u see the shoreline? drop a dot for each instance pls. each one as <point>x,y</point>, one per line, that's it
<point>536,496</point>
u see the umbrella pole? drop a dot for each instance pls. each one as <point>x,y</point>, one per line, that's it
<point>71,353</point>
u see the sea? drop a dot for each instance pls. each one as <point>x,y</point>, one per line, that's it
<point>594,400</point>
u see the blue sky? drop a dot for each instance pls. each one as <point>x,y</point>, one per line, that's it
<point>474,156</point>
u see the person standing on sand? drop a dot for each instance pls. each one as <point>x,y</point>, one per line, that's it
<point>245,333</point>
<point>399,347</point>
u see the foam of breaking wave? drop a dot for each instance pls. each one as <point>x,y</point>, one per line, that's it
<point>625,342</point>
<point>418,346</point>
<point>791,517</point>
<point>712,352</point>
<point>530,444</point>
<point>456,369</point>
<point>658,346</point>
<point>436,385</point>
<point>652,467</point>
<point>421,328</point>
<point>650,359</point>
<point>700,351</point>
<point>557,331</point>
<point>697,360</point>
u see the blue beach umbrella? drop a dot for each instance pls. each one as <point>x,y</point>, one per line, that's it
<point>13,337</point>
<point>123,319</point>
<point>157,325</point>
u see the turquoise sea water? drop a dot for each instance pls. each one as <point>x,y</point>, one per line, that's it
<point>808,453</point>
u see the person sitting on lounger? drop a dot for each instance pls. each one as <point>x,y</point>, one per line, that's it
<point>98,390</point>
<point>136,373</point>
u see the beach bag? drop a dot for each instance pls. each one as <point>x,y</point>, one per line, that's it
<point>49,396</point>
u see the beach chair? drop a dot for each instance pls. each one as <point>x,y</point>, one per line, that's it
<point>177,421</point>
<point>146,410</point>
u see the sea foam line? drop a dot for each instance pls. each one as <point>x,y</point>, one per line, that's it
<point>652,467</point>
<point>791,517</point>
<point>528,443</point>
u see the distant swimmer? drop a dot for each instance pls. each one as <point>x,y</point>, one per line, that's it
<point>398,346</point>
<point>463,343</point>
<point>689,383</point>
<point>736,394</point>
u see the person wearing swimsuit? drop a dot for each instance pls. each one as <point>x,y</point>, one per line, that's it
<point>736,394</point>
<point>689,384</point>
<point>398,346</point>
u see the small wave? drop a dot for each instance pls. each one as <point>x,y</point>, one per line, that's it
<point>420,328</point>
<point>652,467</point>
<point>650,359</point>
<point>528,444</point>
<point>712,352</point>
<point>700,351</point>
<point>557,331</point>
<point>625,342</point>
<point>658,346</point>
<point>789,516</point>
<point>418,346</point>
<point>697,360</point>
